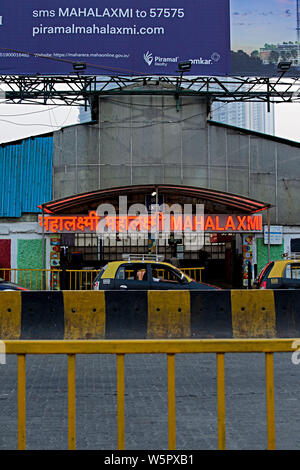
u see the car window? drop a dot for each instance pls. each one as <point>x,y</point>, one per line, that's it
<point>132,272</point>
<point>292,271</point>
<point>164,273</point>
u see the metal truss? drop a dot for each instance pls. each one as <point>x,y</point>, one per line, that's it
<point>78,90</point>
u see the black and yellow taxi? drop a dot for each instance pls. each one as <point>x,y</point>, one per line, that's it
<point>280,274</point>
<point>145,274</point>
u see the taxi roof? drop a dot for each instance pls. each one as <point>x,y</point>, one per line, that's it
<point>280,265</point>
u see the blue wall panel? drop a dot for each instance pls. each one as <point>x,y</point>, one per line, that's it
<point>25,175</point>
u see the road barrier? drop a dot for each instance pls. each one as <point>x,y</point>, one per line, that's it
<point>150,314</point>
<point>71,279</point>
<point>170,348</point>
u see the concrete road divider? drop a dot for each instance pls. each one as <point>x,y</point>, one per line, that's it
<point>149,314</point>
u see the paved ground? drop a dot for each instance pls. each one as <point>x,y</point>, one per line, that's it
<point>146,404</point>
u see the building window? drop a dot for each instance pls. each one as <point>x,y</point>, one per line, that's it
<point>295,245</point>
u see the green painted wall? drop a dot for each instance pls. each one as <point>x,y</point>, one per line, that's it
<point>30,256</point>
<point>262,253</point>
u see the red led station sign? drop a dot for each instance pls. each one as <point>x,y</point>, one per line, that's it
<point>93,223</point>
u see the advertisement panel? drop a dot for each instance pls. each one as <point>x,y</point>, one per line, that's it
<point>263,34</point>
<point>137,37</point>
<point>130,37</point>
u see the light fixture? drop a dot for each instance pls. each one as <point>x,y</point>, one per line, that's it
<point>78,66</point>
<point>284,66</point>
<point>185,66</point>
<point>154,193</point>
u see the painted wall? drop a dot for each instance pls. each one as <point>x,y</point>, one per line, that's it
<point>30,254</point>
<point>26,247</point>
<point>5,257</point>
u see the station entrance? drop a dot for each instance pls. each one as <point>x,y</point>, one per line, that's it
<point>215,240</point>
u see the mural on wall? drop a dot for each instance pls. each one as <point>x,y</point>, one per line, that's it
<point>247,257</point>
<point>55,262</point>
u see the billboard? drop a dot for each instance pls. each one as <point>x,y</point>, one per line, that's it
<point>264,33</point>
<point>131,37</point>
<point>137,37</point>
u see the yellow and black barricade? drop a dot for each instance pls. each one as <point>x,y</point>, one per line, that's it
<point>149,314</point>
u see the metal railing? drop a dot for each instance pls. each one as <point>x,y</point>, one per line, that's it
<point>50,279</point>
<point>169,347</point>
<point>73,279</point>
<point>194,273</point>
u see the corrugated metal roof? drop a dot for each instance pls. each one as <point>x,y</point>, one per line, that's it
<point>25,175</point>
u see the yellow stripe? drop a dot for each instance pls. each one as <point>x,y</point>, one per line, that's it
<point>169,314</point>
<point>10,315</point>
<point>253,314</point>
<point>84,314</point>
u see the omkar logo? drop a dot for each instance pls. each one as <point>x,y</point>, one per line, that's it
<point>148,57</point>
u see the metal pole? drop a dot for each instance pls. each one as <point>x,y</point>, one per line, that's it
<point>44,254</point>
<point>157,221</point>
<point>269,235</point>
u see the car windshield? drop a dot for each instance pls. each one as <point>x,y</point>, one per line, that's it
<point>99,275</point>
<point>265,271</point>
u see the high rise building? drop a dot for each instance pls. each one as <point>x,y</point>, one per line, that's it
<point>253,116</point>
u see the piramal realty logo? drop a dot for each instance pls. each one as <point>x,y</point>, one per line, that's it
<point>148,57</point>
<point>159,61</point>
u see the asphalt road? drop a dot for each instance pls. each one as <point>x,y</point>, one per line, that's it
<point>146,402</point>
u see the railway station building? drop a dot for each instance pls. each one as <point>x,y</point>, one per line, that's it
<point>154,151</point>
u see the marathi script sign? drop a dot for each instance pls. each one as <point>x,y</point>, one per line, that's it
<point>93,223</point>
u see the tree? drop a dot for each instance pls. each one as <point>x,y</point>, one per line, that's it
<point>254,54</point>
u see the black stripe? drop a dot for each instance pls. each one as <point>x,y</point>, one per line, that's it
<point>287,308</point>
<point>42,315</point>
<point>211,314</point>
<point>126,314</point>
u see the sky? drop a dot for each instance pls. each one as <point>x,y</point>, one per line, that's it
<point>256,22</point>
<point>20,121</point>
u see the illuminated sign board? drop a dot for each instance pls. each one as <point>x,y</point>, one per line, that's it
<point>93,223</point>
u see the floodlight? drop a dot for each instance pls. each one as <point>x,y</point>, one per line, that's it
<point>284,66</point>
<point>78,66</point>
<point>185,66</point>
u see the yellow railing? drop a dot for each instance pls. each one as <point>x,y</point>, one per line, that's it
<point>33,279</point>
<point>169,347</point>
<point>194,273</point>
<point>77,279</point>
<point>74,279</point>
<point>39,279</point>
